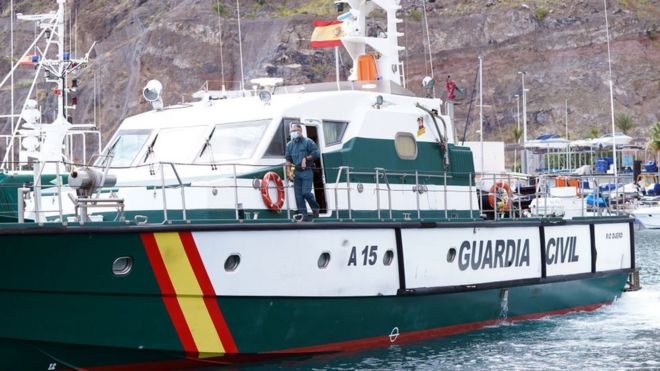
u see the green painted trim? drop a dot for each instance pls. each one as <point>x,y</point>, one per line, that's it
<point>365,155</point>
<point>9,185</point>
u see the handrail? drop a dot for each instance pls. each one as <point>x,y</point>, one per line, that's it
<point>546,201</point>
<point>162,182</point>
<point>183,192</point>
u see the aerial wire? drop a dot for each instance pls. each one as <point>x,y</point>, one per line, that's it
<point>240,44</point>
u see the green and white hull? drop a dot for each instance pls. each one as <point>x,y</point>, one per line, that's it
<point>184,300</point>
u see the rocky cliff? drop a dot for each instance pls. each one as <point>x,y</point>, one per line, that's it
<point>561,45</point>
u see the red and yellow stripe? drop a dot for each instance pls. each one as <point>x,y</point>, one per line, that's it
<point>188,294</point>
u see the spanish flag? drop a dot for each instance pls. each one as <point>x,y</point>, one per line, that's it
<point>28,60</point>
<point>327,34</point>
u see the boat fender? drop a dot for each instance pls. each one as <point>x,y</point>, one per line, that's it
<point>500,194</point>
<point>265,182</point>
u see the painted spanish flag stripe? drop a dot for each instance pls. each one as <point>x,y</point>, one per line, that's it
<point>209,293</point>
<point>188,294</point>
<point>168,293</point>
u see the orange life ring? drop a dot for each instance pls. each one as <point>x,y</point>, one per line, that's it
<point>500,191</point>
<point>265,182</point>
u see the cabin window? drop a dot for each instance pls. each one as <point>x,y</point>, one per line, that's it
<point>124,149</point>
<point>333,131</point>
<point>234,141</point>
<point>277,146</point>
<point>406,146</point>
<point>175,145</point>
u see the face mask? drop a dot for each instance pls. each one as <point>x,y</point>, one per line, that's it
<point>295,135</point>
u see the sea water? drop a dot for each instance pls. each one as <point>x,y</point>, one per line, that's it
<point>624,335</point>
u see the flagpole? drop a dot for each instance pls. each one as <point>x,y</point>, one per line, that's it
<point>337,66</point>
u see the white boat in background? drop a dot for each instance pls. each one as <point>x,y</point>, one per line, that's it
<point>648,216</point>
<point>604,141</point>
<point>608,140</point>
<point>547,142</point>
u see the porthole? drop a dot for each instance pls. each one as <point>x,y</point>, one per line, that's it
<point>451,255</point>
<point>406,146</point>
<point>232,262</point>
<point>389,257</point>
<point>324,260</point>
<point>122,266</point>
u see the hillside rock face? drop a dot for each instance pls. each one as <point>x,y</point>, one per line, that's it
<point>561,45</point>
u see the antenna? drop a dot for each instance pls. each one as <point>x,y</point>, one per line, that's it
<point>240,43</point>
<point>11,38</point>
<point>75,34</point>
<point>609,62</point>
<point>95,102</point>
<point>428,37</point>
<point>481,111</point>
<point>222,61</point>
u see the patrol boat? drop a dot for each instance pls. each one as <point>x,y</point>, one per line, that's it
<point>177,248</point>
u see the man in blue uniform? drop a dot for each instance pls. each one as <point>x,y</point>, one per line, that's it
<point>301,152</point>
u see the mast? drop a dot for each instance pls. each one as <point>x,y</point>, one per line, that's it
<point>481,111</point>
<point>387,46</point>
<point>60,57</point>
<point>49,138</point>
<point>609,63</point>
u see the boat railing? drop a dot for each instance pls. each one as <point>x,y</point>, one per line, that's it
<point>228,182</point>
<point>599,194</point>
<point>78,135</point>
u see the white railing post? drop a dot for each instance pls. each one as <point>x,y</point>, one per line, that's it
<point>446,208</point>
<point>162,183</point>
<point>470,192</point>
<point>184,213</point>
<point>287,185</point>
<point>37,191</point>
<point>236,214</point>
<point>496,204</point>
<point>378,192</point>
<point>582,198</point>
<point>419,214</point>
<point>59,193</point>
<point>348,191</point>
<point>21,204</point>
<point>510,202</point>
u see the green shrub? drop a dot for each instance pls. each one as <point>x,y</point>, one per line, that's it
<point>540,13</point>
<point>220,10</point>
<point>415,14</point>
<point>653,32</point>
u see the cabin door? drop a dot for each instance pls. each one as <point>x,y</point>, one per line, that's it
<point>314,131</point>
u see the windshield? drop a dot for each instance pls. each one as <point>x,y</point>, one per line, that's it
<point>176,145</point>
<point>233,141</point>
<point>126,146</point>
